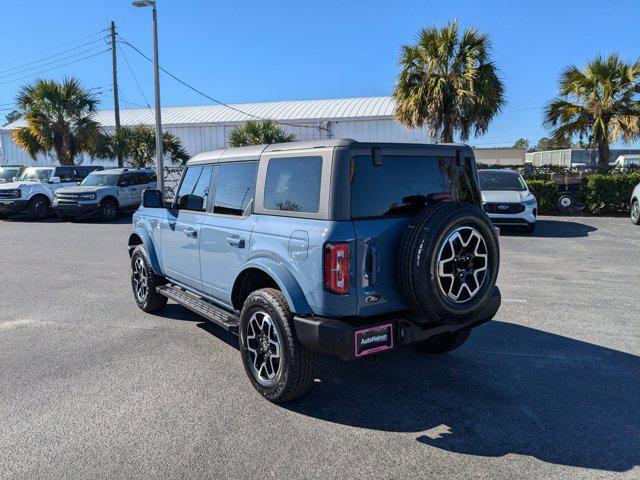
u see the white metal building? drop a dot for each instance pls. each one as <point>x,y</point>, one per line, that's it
<point>207,127</point>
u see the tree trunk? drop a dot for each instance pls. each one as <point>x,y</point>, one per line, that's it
<point>603,156</point>
<point>447,133</point>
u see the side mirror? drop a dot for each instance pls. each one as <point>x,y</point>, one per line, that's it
<point>152,199</point>
<point>54,180</point>
<point>15,179</point>
<point>191,202</point>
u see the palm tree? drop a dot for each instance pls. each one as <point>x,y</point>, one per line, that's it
<point>259,132</point>
<point>137,146</point>
<point>448,83</point>
<point>600,103</point>
<point>58,117</point>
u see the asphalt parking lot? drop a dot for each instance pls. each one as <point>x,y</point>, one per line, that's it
<point>91,387</point>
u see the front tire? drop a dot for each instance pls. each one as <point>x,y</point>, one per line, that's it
<point>279,367</point>
<point>144,282</point>
<point>530,228</point>
<point>635,212</point>
<point>108,210</point>
<point>38,208</point>
<point>443,343</point>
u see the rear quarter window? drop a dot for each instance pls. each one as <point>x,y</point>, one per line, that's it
<point>293,184</point>
<point>402,184</point>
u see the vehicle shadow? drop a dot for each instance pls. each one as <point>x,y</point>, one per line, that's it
<point>124,218</point>
<point>510,390</point>
<point>551,229</point>
<point>174,311</point>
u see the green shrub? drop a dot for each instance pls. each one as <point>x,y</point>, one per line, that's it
<point>547,194</point>
<point>611,193</point>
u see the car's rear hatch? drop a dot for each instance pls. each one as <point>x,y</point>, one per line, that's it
<point>389,187</point>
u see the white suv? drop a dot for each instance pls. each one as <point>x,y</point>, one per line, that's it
<point>34,191</point>
<point>507,200</point>
<point>105,192</point>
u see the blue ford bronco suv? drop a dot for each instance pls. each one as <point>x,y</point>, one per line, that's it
<point>322,247</point>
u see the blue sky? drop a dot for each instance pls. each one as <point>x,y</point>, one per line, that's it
<point>287,50</point>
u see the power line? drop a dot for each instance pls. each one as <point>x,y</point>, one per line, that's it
<point>53,68</point>
<point>135,78</point>
<point>215,100</point>
<point>51,56</point>
<point>52,62</point>
<point>53,48</point>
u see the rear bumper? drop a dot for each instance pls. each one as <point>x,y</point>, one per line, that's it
<point>9,207</point>
<point>337,337</point>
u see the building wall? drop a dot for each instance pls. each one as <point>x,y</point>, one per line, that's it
<point>569,156</point>
<point>500,156</point>
<point>197,139</point>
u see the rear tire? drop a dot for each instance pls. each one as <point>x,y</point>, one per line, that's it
<point>635,212</point>
<point>144,282</point>
<point>279,367</point>
<point>443,343</point>
<point>38,208</point>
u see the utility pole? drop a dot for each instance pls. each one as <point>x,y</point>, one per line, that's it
<point>116,100</point>
<point>156,75</point>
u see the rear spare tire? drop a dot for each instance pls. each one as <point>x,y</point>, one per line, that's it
<point>448,262</point>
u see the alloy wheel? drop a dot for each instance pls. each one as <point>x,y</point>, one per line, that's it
<point>263,347</point>
<point>40,209</point>
<point>140,279</point>
<point>462,264</point>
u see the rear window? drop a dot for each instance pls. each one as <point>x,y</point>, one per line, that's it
<point>293,184</point>
<point>401,185</point>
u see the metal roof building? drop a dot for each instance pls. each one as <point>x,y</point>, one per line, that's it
<point>207,127</point>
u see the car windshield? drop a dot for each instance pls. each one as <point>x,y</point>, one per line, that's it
<point>37,174</point>
<point>8,173</point>
<point>501,181</point>
<point>101,180</point>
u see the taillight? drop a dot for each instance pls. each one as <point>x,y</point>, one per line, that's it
<point>336,267</point>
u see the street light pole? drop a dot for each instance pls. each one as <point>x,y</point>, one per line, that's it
<point>156,76</point>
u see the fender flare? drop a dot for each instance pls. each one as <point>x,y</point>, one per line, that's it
<point>144,236</point>
<point>110,197</point>
<point>285,280</point>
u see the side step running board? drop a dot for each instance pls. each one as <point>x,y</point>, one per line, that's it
<point>211,312</point>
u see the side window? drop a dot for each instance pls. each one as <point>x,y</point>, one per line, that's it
<point>66,174</point>
<point>126,180</point>
<point>139,178</point>
<point>149,177</point>
<point>196,181</point>
<point>293,184</point>
<point>235,187</point>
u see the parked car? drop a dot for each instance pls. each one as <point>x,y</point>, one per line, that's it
<point>33,192</point>
<point>104,192</point>
<point>10,173</point>
<point>507,199</point>
<point>322,247</point>
<point>635,205</point>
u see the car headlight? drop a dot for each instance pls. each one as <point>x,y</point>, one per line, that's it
<point>532,202</point>
<point>87,196</point>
